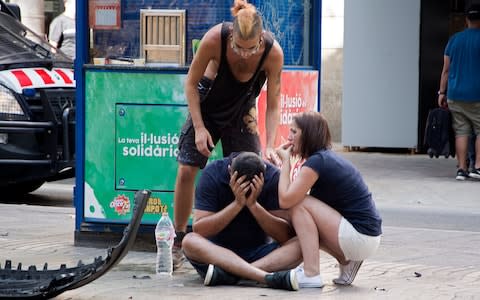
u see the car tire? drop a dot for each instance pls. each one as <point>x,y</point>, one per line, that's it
<point>23,188</point>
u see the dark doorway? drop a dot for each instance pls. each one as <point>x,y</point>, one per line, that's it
<point>438,21</point>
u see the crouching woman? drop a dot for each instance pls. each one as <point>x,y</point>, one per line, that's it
<point>330,205</point>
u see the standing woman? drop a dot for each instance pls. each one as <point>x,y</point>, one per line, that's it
<point>339,208</point>
<point>227,73</point>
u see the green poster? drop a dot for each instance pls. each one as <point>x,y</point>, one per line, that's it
<point>132,127</point>
<point>146,139</point>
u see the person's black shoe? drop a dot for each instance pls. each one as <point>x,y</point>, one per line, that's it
<point>286,280</point>
<point>461,175</point>
<point>217,276</point>
<point>474,173</point>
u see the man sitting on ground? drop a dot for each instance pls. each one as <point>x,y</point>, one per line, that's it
<point>236,214</point>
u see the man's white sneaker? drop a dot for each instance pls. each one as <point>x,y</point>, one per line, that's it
<point>348,273</point>
<point>308,282</point>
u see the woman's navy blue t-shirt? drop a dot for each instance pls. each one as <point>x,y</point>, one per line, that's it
<point>341,186</point>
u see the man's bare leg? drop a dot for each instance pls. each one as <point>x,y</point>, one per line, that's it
<point>288,256</point>
<point>461,146</point>
<point>474,173</point>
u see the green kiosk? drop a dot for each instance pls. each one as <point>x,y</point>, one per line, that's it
<point>132,60</point>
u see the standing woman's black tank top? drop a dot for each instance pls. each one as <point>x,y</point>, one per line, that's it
<point>228,99</point>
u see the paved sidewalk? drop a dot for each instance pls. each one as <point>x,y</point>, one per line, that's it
<point>437,260</point>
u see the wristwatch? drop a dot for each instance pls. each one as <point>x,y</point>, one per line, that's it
<point>440,93</point>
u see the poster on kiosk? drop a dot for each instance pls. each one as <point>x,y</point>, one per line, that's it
<point>299,93</point>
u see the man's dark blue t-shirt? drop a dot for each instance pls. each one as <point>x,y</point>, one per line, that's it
<point>213,193</point>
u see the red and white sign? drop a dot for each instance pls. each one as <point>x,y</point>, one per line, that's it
<point>19,79</point>
<point>104,14</point>
<point>299,93</point>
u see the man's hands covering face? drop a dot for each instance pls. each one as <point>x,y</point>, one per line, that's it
<point>246,192</point>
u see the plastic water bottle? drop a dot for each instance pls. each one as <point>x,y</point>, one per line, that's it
<point>164,235</point>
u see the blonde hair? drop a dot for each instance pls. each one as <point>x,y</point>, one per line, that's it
<point>247,23</point>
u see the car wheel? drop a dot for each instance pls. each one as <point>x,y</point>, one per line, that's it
<point>23,188</point>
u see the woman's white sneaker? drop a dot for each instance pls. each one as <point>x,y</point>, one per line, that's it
<point>308,282</point>
<point>348,273</point>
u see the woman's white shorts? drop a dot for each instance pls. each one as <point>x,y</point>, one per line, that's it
<point>355,245</point>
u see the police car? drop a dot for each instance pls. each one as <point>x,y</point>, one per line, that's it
<point>37,108</point>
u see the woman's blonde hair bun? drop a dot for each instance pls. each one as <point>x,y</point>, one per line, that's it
<point>247,23</point>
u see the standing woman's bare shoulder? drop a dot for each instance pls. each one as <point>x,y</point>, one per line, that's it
<point>274,61</point>
<point>211,43</point>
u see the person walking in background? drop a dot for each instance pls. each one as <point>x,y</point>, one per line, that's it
<point>61,33</point>
<point>338,215</point>
<point>227,73</point>
<point>236,211</point>
<point>460,90</point>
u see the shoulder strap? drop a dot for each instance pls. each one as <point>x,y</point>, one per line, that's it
<point>224,36</point>
<point>268,40</point>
